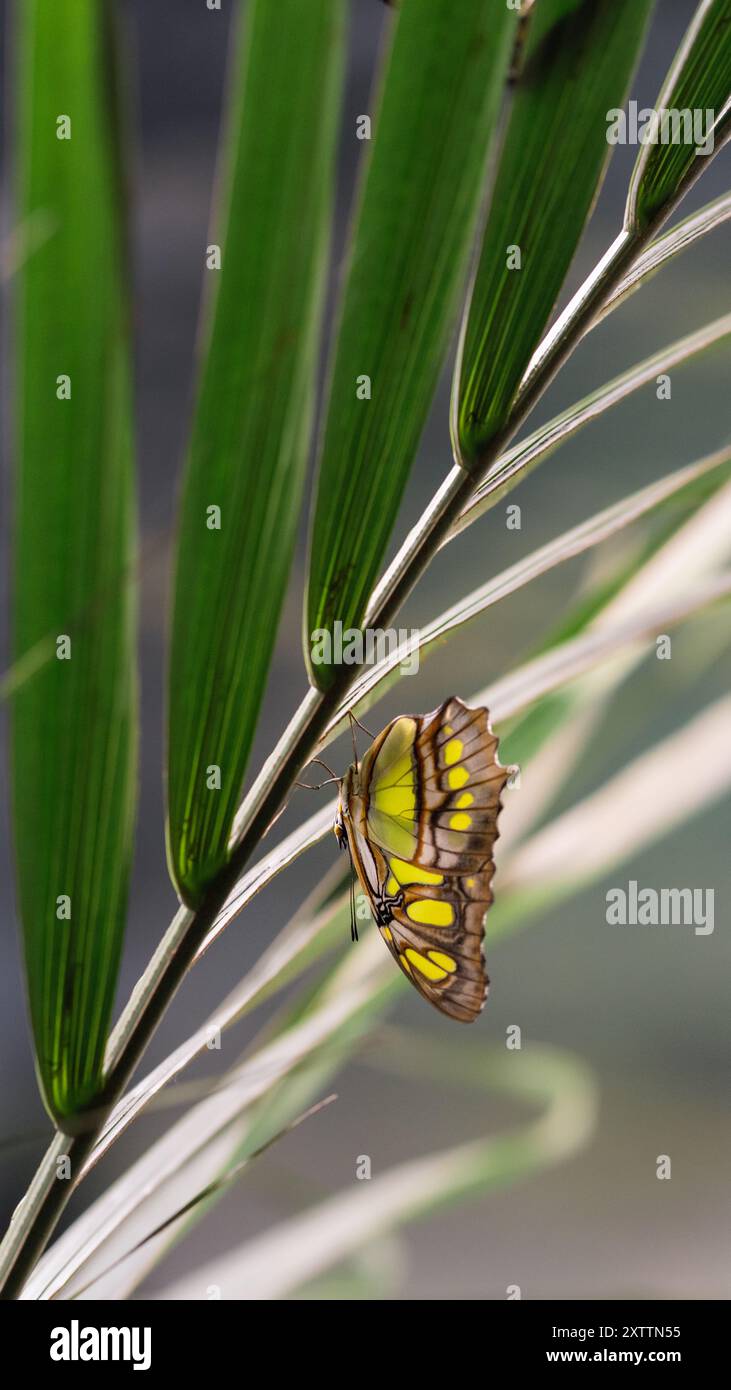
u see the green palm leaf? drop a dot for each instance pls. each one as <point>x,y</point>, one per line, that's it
<point>73,740</point>
<point>577,64</point>
<point>412,235</point>
<point>253,418</point>
<point>697,85</point>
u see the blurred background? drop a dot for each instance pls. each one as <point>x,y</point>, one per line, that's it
<point>647,1010</point>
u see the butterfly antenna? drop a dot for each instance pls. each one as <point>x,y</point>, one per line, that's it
<point>353,722</point>
<point>360,724</point>
<point>353,923</point>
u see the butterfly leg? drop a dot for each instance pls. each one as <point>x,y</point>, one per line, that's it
<point>328,780</point>
<point>308,786</point>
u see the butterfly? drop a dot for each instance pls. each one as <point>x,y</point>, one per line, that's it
<point>419,817</point>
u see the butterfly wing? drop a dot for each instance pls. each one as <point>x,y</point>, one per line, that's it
<point>431,788</point>
<point>436,935</point>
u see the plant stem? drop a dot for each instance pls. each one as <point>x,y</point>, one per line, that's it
<point>35,1218</point>
<point>459,486</point>
<point>37,1215</point>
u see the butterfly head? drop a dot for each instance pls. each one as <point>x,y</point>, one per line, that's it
<point>341,834</point>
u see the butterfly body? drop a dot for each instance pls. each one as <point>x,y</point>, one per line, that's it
<point>419,817</point>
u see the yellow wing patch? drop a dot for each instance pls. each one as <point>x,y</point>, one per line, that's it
<point>394,834</point>
<point>453,751</point>
<point>444,961</point>
<point>392,809</point>
<point>413,873</point>
<point>431,912</point>
<point>426,967</point>
<point>434,965</point>
<point>397,796</point>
